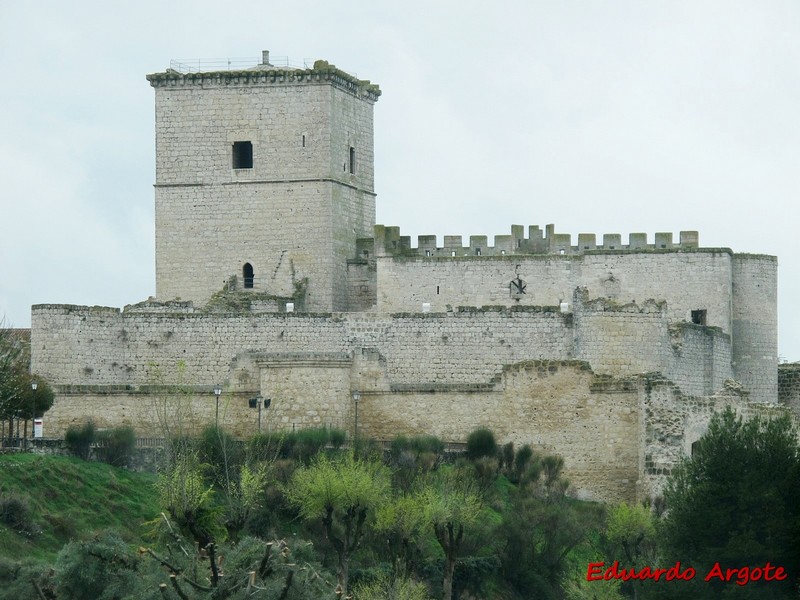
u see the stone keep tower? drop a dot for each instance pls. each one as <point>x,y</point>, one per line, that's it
<point>265,174</point>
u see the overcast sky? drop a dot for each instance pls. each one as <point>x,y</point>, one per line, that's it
<point>600,117</point>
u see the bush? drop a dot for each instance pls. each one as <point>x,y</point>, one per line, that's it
<point>507,456</point>
<point>80,439</point>
<point>221,452</point>
<point>118,445</point>
<point>15,512</point>
<point>302,445</point>
<point>481,443</point>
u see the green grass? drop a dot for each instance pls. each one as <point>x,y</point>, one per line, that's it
<point>69,499</point>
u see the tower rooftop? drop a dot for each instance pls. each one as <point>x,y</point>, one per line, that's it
<point>249,71</point>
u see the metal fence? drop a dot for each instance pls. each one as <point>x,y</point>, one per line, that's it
<point>201,65</point>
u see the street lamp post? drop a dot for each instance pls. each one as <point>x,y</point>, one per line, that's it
<point>217,393</point>
<point>356,398</point>
<point>257,402</point>
<point>34,385</point>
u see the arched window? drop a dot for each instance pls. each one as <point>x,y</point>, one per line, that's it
<point>248,276</point>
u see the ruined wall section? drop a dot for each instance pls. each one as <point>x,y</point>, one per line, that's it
<point>789,386</point>
<point>686,280</point>
<point>628,339</point>
<point>672,421</point>
<point>701,358</point>
<point>755,325</point>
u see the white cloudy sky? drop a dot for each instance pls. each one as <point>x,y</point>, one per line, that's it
<point>603,117</point>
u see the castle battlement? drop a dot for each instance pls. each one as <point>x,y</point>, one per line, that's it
<point>388,241</point>
<point>266,74</point>
<point>273,280</point>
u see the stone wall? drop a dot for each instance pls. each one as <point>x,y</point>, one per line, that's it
<point>100,346</point>
<point>673,421</point>
<point>295,214</point>
<point>755,325</point>
<point>789,386</point>
<point>686,280</point>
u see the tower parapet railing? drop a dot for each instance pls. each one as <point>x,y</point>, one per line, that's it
<point>389,242</point>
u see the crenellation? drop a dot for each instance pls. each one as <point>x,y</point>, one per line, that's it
<point>538,242</point>
<point>273,279</point>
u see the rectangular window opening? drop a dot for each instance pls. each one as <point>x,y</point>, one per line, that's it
<point>304,141</point>
<point>352,160</point>
<point>437,290</point>
<point>477,251</point>
<point>242,155</point>
<point>699,316</point>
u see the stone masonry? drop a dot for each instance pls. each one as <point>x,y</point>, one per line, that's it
<point>273,280</point>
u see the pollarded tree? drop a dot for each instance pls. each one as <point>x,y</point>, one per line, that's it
<point>453,504</point>
<point>403,520</point>
<point>343,493</point>
<point>736,502</point>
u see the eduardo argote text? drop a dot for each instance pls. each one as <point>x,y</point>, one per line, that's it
<point>598,571</point>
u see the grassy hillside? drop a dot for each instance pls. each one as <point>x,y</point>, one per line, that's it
<point>65,499</point>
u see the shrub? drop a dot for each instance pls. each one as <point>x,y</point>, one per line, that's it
<point>426,443</point>
<point>79,439</point>
<point>521,460</point>
<point>15,512</point>
<point>481,443</point>
<point>221,453</point>
<point>118,445</point>
<point>507,456</point>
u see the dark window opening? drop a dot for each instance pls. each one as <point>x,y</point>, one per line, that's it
<point>699,317</point>
<point>427,252</point>
<point>437,289</point>
<point>352,160</point>
<point>304,141</point>
<point>242,155</point>
<point>477,251</point>
<point>695,447</point>
<point>248,276</point>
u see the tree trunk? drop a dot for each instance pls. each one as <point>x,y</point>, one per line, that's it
<point>342,572</point>
<point>447,582</point>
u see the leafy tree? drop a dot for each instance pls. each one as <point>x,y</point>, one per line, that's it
<point>17,398</point>
<point>630,537</point>
<point>403,520</point>
<point>341,492</point>
<point>189,500</point>
<point>542,525</point>
<point>453,504</point>
<point>736,502</point>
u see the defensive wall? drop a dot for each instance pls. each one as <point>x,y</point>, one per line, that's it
<point>104,346</point>
<point>789,386</point>
<point>612,355</point>
<point>714,287</point>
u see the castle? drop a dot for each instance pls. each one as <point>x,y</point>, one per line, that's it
<point>273,280</point>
